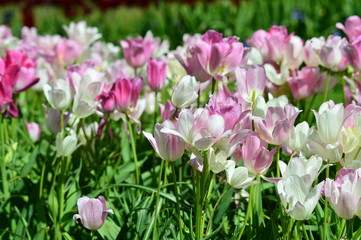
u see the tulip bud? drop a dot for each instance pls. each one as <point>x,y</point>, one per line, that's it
<point>156,72</point>
<point>66,146</point>
<point>92,212</point>
<point>186,92</point>
<point>34,130</point>
<point>126,93</point>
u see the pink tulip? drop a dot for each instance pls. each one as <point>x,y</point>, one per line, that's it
<point>67,51</point>
<point>251,82</point>
<point>353,53</point>
<point>126,93</point>
<point>92,212</point>
<point>34,130</point>
<point>167,111</point>
<point>276,128</point>
<point>214,56</point>
<point>271,44</point>
<point>257,159</point>
<point>156,72</point>
<point>344,194</point>
<point>107,100</point>
<point>7,105</point>
<point>21,69</point>
<point>352,27</point>
<point>306,81</point>
<point>137,51</point>
<point>229,109</point>
<point>168,146</point>
<point>332,53</point>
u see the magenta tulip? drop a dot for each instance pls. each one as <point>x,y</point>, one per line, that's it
<point>156,72</point>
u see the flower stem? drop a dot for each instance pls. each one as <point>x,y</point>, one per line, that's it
<point>289,228</point>
<point>132,139</point>
<point>155,109</point>
<point>157,200</point>
<point>350,228</point>
<point>278,152</point>
<point>325,210</point>
<point>249,209</point>
<point>177,199</point>
<point>304,231</point>
<point>199,230</point>
<point>326,87</point>
<point>2,161</point>
<point>343,89</point>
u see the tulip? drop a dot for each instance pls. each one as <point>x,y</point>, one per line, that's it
<point>312,51</point>
<point>298,138</point>
<point>276,127</point>
<point>66,146</point>
<point>330,119</point>
<point>353,53</point>
<point>238,177</point>
<point>7,105</point>
<point>297,199</point>
<point>67,51</point>
<point>186,92</point>
<point>58,94</point>
<point>167,111</point>
<point>352,27</point>
<point>107,100</point>
<point>34,130</point>
<point>169,147</point>
<point>257,159</point>
<point>126,93</point>
<point>332,54</point>
<point>307,169</point>
<point>344,194</point>
<point>156,72</point>
<point>92,212</point>
<point>251,82</point>
<point>137,51</point>
<point>217,160</point>
<point>306,82</point>
<point>294,52</point>
<point>82,33</point>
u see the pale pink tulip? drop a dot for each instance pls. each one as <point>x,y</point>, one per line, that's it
<point>34,130</point>
<point>92,212</point>
<point>168,146</point>
<point>353,53</point>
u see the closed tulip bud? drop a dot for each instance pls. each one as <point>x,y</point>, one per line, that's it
<point>34,130</point>
<point>156,72</point>
<point>92,212</point>
<point>257,159</point>
<point>298,136</point>
<point>168,146</point>
<point>58,94</point>
<point>127,93</point>
<point>186,92</point>
<point>353,53</point>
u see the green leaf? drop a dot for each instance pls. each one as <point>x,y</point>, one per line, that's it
<point>109,230</point>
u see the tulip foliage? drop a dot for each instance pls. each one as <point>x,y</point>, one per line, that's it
<point>216,139</point>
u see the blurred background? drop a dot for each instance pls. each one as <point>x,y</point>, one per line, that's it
<point>117,19</point>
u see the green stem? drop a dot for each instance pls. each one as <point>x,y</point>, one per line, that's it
<point>249,209</point>
<point>304,231</point>
<point>199,230</point>
<point>177,199</point>
<point>326,87</point>
<point>215,207</point>
<point>289,228</point>
<point>343,223</point>
<point>157,200</point>
<point>343,89</point>
<point>2,161</point>
<point>155,109</point>
<point>349,226</point>
<point>41,180</point>
<point>325,210</point>
<point>132,139</point>
<point>213,85</point>
<point>278,152</point>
